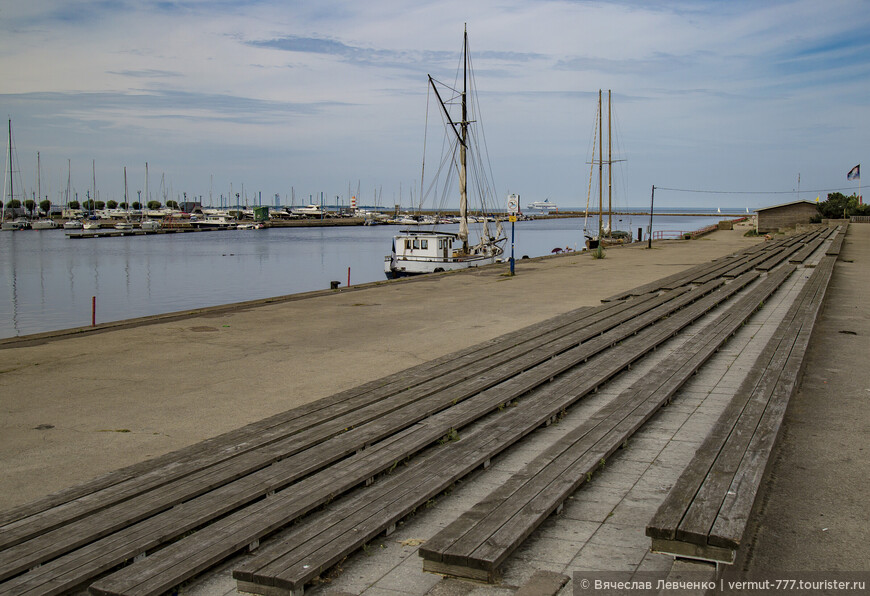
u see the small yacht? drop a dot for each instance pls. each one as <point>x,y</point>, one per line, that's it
<point>310,210</point>
<point>214,221</point>
<point>19,223</point>
<point>44,224</point>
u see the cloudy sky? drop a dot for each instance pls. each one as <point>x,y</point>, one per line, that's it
<point>319,96</point>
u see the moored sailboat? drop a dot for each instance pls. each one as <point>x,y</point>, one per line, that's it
<point>607,236</point>
<point>18,223</point>
<point>43,223</point>
<point>416,252</point>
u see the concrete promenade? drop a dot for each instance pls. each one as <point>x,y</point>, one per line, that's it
<point>77,407</point>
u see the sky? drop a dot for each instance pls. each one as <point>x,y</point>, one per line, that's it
<point>753,100</point>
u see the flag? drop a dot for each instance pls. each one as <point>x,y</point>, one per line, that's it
<point>818,197</point>
<point>854,173</point>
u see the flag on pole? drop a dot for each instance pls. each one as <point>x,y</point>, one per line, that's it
<point>818,197</point>
<point>854,173</point>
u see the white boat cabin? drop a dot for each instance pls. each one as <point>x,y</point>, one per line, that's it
<point>424,245</point>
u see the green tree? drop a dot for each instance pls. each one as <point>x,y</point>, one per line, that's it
<point>98,204</point>
<point>45,206</point>
<point>111,204</point>
<point>30,205</point>
<point>137,205</point>
<point>172,204</point>
<point>154,205</point>
<point>73,205</point>
<point>124,205</point>
<point>14,204</point>
<point>839,206</point>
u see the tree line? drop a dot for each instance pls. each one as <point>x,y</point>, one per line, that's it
<point>90,205</point>
<point>840,206</point>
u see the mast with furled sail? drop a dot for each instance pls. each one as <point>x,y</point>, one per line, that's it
<point>417,252</point>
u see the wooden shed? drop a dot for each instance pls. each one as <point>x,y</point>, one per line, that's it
<point>787,215</point>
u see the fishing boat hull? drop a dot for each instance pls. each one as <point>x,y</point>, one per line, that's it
<point>407,268</point>
<point>418,253</point>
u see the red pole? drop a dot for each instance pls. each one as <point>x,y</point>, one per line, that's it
<point>93,311</point>
<point>348,277</point>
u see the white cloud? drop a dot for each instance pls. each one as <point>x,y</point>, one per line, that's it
<point>708,94</point>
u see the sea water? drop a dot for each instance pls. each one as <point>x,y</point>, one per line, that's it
<point>50,280</point>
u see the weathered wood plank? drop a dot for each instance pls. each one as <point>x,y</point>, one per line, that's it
<point>667,519</point>
<point>718,488</point>
<point>485,536</point>
<point>206,556</point>
<point>733,516</point>
<point>324,409</point>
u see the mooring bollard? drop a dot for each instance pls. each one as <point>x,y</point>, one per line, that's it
<point>93,311</point>
<point>333,285</point>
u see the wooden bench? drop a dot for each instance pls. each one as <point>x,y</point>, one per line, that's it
<point>705,514</point>
<point>837,243</point>
<point>811,247</point>
<point>762,256</point>
<point>305,426</point>
<point>478,542</point>
<point>319,541</point>
<point>102,540</point>
<point>213,543</point>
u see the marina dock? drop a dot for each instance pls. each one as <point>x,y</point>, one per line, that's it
<point>470,364</point>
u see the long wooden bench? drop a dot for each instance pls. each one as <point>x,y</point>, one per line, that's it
<point>318,542</point>
<point>335,414</point>
<point>729,266</point>
<point>707,511</point>
<point>215,542</point>
<point>838,237</point>
<point>811,247</point>
<point>479,541</point>
<point>87,558</point>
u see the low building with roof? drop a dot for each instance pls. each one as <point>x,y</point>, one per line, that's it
<point>787,215</point>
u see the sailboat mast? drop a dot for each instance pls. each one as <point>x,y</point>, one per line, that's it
<point>11,173</point>
<point>38,177</point>
<point>463,142</point>
<point>600,168</point>
<point>609,168</point>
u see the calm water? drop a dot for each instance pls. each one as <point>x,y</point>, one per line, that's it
<point>50,279</point>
